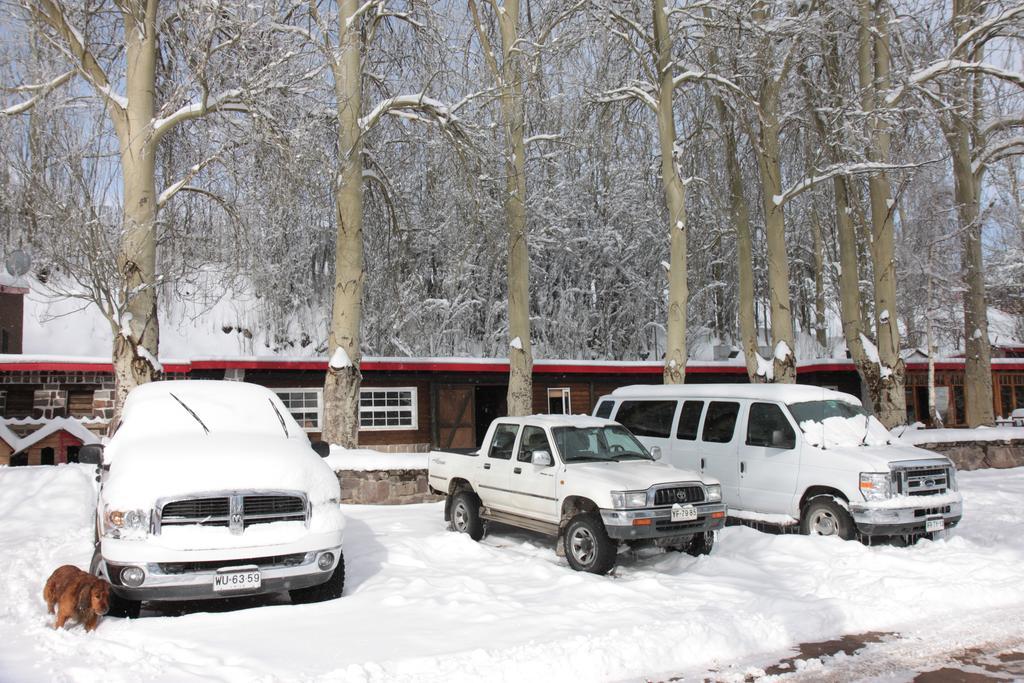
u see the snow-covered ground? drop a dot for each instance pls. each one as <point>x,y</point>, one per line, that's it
<point>426,604</point>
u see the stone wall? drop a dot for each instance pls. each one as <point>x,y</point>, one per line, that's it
<point>976,455</point>
<point>385,487</point>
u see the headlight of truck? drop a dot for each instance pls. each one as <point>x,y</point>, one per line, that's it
<point>126,524</point>
<point>875,485</point>
<point>714,493</point>
<point>629,499</point>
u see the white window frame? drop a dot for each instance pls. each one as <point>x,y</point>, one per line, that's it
<point>566,399</point>
<point>414,408</point>
<point>305,390</point>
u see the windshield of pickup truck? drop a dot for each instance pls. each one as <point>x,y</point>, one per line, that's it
<point>595,444</point>
<point>833,423</point>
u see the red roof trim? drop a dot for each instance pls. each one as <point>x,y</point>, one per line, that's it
<point>412,365</point>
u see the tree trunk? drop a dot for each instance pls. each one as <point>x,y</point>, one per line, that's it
<point>888,394</point>
<point>820,329</point>
<point>520,355</point>
<point>341,385</point>
<point>137,334</point>
<point>675,201</point>
<point>783,348</point>
<point>967,190</point>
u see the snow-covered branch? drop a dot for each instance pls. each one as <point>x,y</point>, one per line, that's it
<point>40,91</point>
<point>690,76</point>
<point>183,182</point>
<point>1000,150</point>
<point>948,66</point>
<point>201,107</point>
<point>405,104</point>
<point>862,168</point>
<point>987,30</point>
<point>641,92</point>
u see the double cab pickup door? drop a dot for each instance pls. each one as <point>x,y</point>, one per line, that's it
<point>518,472</point>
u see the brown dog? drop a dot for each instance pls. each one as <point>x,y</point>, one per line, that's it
<point>76,594</point>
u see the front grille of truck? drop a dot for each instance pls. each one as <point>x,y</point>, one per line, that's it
<point>271,562</point>
<point>679,494</point>
<point>236,510</point>
<point>922,481</point>
<point>927,512</point>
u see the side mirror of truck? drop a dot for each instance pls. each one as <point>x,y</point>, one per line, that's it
<point>656,452</point>
<point>321,448</point>
<point>91,454</point>
<point>542,459</point>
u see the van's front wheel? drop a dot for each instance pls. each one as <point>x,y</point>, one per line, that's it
<point>824,516</point>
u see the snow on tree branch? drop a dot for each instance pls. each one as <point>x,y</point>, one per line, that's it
<point>861,168</point>
<point>41,90</point>
<point>947,66</point>
<point>205,105</point>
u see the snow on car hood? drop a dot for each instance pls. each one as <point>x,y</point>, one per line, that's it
<point>879,458</point>
<point>145,469</point>
<point>627,475</point>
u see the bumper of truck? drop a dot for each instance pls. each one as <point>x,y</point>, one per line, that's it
<point>904,521</point>
<point>656,523</point>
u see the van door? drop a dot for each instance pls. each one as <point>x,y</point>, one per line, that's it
<point>769,460</point>
<point>497,466</point>
<point>686,453</point>
<point>718,446</point>
<point>533,486</point>
<point>651,420</point>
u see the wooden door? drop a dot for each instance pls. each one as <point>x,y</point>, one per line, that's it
<point>456,427</point>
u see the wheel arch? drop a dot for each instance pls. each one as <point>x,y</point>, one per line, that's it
<point>815,491</point>
<point>456,485</point>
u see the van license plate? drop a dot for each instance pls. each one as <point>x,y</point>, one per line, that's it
<point>934,525</point>
<point>683,513</point>
<point>237,579</point>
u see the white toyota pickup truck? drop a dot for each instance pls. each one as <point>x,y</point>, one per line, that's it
<point>211,489</point>
<point>587,482</point>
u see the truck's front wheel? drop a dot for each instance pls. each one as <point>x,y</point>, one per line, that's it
<point>466,515</point>
<point>587,546</point>
<point>823,516</point>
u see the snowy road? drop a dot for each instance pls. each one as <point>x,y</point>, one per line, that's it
<point>425,604</point>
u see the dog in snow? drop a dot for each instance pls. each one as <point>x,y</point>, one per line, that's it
<point>76,594</point>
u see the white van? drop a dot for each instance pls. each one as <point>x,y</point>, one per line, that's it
<point>794,454</point>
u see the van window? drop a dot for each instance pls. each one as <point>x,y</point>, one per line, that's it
<point>689,420</point>
<point>647,418</point>
<point>503,440</point>
<point>604,409</point>
<point>765,420</point>
<point>720,421</point>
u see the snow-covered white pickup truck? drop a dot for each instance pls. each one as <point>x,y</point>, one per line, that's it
<point>585,481</point>
<point>795,454</point>
<point>211,489</point>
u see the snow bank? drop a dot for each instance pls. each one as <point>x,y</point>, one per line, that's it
<point>366,459</point>
<point>425,604</point>
<point>922,436</point>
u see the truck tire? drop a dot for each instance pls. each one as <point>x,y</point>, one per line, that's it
<point>587,546</point>
<point>330,590</point>
<point>823,516</point>
<point>119,608</point>
<point>700,544</point>
<point>466,515</point>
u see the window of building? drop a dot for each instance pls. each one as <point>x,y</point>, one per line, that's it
<point>558,401</point>
<point>647,418</point>
<point>382,408</point>
<point>305,405</point>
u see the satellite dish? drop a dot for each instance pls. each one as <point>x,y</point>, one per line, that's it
<point>18,262</point>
